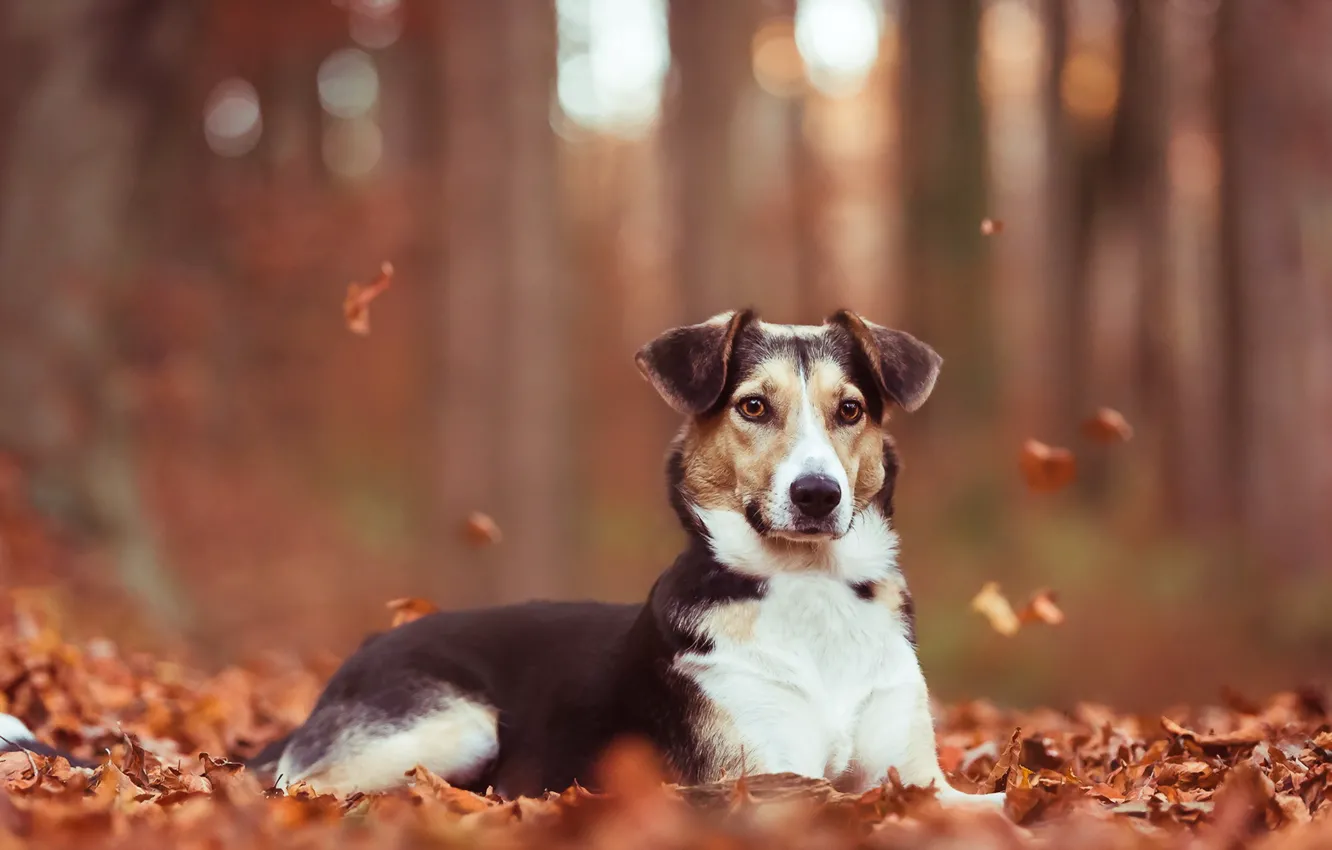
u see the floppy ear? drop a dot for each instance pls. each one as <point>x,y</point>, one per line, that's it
<point>904,367</point>
<point>687,366</point>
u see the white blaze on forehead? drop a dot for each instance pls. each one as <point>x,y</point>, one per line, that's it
<point>812,453</point>
<point>799,331</point>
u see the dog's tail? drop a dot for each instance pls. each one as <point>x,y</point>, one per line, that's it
<point>16,737</point>
<point>264,764</point>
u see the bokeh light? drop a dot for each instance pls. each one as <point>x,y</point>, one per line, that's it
<point>375,24</point>
<point>614,56</point>
<point>348,83</point>
<point>233,120</point>
<point>1089,86</point>
<point>839,40</point>
<point>779,68</point>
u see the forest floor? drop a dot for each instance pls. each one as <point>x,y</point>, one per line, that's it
<point>167,739</point>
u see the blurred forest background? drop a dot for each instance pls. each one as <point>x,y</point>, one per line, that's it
<point>204,461</point>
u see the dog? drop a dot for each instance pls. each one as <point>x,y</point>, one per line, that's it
<point>782,639</point>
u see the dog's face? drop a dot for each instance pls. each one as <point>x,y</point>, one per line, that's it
<point>786,422</point>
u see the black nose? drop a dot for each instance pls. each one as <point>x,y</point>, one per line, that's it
<point>815,495</point>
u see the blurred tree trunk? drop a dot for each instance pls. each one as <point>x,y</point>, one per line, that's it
<point>1139,144</point>
<point>1115,232</point>
<point>943,160</point>
<point>500,377</point>
<point>710,44</point>
<point>98,79</point>
<point>1066,279</point>
<point>1277,201</point>
<point>1192,330</point>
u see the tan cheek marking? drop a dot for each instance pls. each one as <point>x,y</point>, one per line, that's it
<point>870,473</point>
<point>709,465</point>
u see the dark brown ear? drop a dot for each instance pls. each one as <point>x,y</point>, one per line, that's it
<point>687,365</point>
<point>904,367</point>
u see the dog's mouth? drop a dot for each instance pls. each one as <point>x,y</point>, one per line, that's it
<point>804,531</point>
<point>805,535</point>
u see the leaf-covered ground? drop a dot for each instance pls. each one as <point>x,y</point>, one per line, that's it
<point>167,739</point>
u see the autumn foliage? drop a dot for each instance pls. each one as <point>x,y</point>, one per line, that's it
<point>168,742</point>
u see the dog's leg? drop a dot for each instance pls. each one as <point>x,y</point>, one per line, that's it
<point>761,728</point>
<point>896,730</point>
<point>342,748</point>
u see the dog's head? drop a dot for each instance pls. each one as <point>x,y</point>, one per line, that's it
<point>787,422</point>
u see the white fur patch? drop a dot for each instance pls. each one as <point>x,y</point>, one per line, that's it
<point>14,731</point>
<point>456,742</point>
<point>867,552</point>
<point>812,453</point>
<point>819,682</point>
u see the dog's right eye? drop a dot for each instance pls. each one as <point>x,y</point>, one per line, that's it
<point>752,407</point>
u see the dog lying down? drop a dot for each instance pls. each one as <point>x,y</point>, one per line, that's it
<point>782,639</point>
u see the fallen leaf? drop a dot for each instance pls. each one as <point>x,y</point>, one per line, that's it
<point>1046,469</point>
<point>1293,808</point>
<point>993,605</point>
<point>1244,736</point>
<point>1001,775</point>
<point>1108,426</point>
<point>631,767</point>
<point>1106,792</point>
<point>356,306</point>
<point>1042,609</point>
<point>481,530</point>
<point>457,800</point>
<point>407,609</point>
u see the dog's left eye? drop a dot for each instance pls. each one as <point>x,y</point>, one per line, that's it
<point>752,408</point>
<point>850,411</point>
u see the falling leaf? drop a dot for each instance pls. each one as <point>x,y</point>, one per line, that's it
<point>991,227</point>
<point>993,605</point>
<point>407,609</point>
<point>356,306</point>
<point>1046,469</point>
<point>1108,426</point>
<point>481,530</point>
<point>1042,609</point>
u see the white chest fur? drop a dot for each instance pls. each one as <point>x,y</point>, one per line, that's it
<point>809,668</point>
<point>812,679</point>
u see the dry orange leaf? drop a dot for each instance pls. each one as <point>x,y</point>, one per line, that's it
<point>356,306</point>
<point>993,605</point>
<point>991,227</point>
<point>1108,426</point>
<point>1046,468</point>
<point>481,530</point>
<point>1042,609</point>
<point>407,609</point>
<point>631,767</point>
<point>1251,734</point>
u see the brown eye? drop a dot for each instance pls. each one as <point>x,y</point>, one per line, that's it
<point>752,407</point>
<point>850,412</point>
